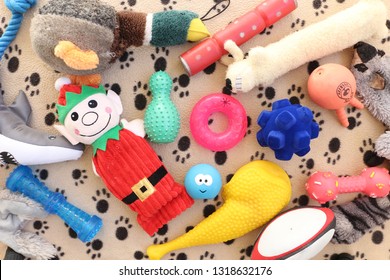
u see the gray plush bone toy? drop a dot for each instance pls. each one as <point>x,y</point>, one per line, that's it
<point>371,68</point>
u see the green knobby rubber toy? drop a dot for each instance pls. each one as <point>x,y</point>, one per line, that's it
<point>162,119</point>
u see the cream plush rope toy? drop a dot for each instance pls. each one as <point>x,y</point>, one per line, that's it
<point>263,65</point>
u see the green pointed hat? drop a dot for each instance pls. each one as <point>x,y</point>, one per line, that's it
<point>71,95</point>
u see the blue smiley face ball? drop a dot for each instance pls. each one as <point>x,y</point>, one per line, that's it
<point>203,181</point>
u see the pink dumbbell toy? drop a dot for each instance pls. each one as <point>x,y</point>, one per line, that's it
<point>324,186</point>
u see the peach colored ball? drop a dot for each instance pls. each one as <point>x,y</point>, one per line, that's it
<point>331,86</point>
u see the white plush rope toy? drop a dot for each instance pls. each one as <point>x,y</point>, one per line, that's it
<point>362,21</point>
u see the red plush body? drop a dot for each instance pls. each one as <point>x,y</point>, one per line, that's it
<point>124,164</point>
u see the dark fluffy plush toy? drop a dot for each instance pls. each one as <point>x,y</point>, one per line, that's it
<point>83,38</point>
<point>371,68</point>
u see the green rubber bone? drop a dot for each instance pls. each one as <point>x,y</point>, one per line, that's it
<point>162,119</point>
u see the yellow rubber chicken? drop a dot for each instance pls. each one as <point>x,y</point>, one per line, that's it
<point>257,192</point>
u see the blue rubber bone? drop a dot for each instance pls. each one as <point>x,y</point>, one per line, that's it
<point>287,129</point>
<point>22,180</point>
<point>18,8</point>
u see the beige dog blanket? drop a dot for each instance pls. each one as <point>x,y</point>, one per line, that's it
<point>344,151</point>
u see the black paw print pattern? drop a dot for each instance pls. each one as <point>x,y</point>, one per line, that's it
<point>354,115</point>
<point>168,4</point>
<point>128,4</point>
<point>101,200</point>
<point>42,174</point>
<point>266,96</point>
<point>79,176</point>
<point>210,69</point>
<point>302,200</point>
<point>122,228</point>
<point>51,116</point>
<point>114,87</point>
<point>295,94</point>
<point>332,155</point>
<point>40,226</point>
<point>246,252</point>
<point>12,58</point>
<point>94,248</point>
<point>306,166</point>
<point>3,25</point>
<point>59,254</point>
<point>126,59</point>
<point>267,31</point>
<point>71,232</point>
<point>32,83</point>
<point>312,65</point>
<point>317,117</point>
<point>180,85</point>
<point>141,93</point>
<point>160,236</point>
<point>220,157</point>
<point>2,92</point>
<point>209,209</point>
<point>377,235</point>
<point>345,256</point>
<point>139,255</point>
<point>320,7</point>
<point>298,23</point>
<point>257,156</point>
<point>249,124</point>
<point>370,157</point>
<point>386,39</point>
<point>160,58</point>
<point>207,256</point>
<point>179,256</point>
<point>182,152</point>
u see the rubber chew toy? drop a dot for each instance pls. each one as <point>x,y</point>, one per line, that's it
<point>256,193</point>
<point>333,86</point>
<point>162,119</point>
<point>22,180</point>
<point>263,65</point>
<point>287,129</point>
<point>325,186</point>
<point>18,8</point>
<point>231,108</point>
<point>240,30</point>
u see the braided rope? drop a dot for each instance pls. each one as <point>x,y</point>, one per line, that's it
<point>18,8</point>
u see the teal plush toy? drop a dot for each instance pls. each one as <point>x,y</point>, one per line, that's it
<point>162,119</point>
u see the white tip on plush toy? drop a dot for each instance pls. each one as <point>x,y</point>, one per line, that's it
<point>263,65</point>
<point>60,82</point>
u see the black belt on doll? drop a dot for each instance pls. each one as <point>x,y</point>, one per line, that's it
<point>145,187</point>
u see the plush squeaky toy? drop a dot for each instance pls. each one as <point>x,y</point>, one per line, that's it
<point>83,38</point>
<point>16,210</point>
<point>125,161</point>
<point>371,68</point>
<point>263,65</point>
<point>22,144</point>
<point>355,218</point>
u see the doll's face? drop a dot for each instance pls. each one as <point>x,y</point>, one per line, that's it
<point>91,118</point>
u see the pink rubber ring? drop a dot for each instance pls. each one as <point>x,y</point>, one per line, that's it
<point>237,122</point>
